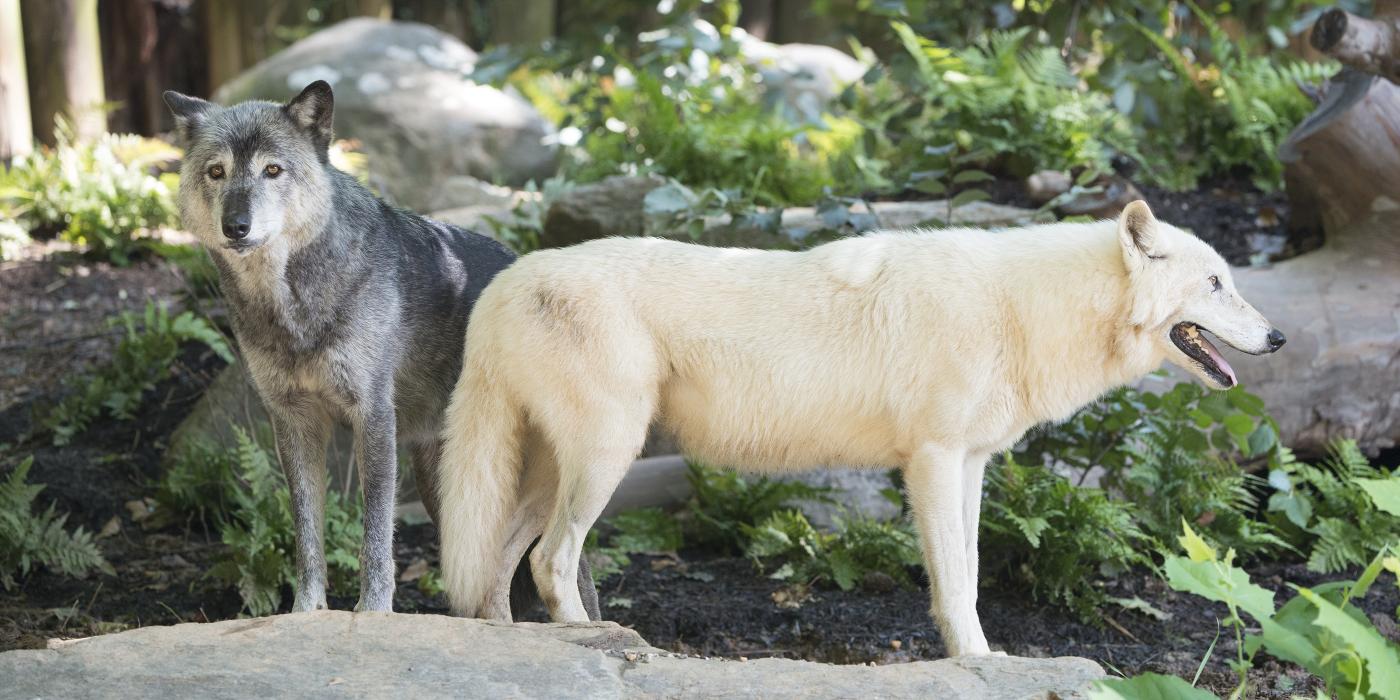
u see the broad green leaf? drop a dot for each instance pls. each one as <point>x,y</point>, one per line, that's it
<point>1196,548</point>
<point>1385,493</point>
<point>1148,686</point>
<point>1219,582</point>
<point>1382,677</point>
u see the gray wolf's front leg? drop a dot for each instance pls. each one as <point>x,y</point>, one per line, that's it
<point>302,433</point>
<point>375,450</point>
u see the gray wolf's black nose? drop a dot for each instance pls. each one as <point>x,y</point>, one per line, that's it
<point>237,227</point>
<point>1276,339</point>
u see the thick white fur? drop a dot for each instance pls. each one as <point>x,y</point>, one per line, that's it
<point>928,351</point>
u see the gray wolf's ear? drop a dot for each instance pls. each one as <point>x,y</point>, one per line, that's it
<point>1137,232</point>
<point>313,111</point>
<point>190,113</point>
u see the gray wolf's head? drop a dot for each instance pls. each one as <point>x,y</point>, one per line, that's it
<point>255,172</point>
<point>1182,288</point>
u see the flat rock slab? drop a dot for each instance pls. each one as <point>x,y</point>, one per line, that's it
<point>343,654</point>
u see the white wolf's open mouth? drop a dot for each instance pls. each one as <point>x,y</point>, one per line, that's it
<point>1189,339</point>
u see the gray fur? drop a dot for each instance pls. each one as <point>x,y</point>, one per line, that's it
<point>346,310</point>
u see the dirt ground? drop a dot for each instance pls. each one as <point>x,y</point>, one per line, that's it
<point>53,326</point>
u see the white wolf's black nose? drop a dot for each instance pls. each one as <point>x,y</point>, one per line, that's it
<point>1276,339</point>
<point>238,226</point>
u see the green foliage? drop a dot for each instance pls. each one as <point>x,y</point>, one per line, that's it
<point>522,227</point>
<point>859,546</point>
<point>141,359</point>
<point>1055,537</point>
<point>245,496</point>
<point>1342,512</point>
<point>1173,456</point>
<point>29,540</point>
<point>1230,110</point>
<point>1319,629</point>
<point>723,501</point>
<point>640,531</point>
<point>97,195</point>
<point>13,239</point>
<point>1003,95</point>
<point>1148,686</point>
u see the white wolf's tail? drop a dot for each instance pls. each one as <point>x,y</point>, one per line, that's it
<point>480,475</point>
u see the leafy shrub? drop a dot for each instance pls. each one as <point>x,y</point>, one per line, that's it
<point>29,539</point>
<point>723,501</point>
<point>857,547</point>
<point>141,359</point>
<point>1230,112</point>
<point>97,195</point>
<point>1056,537</point>
<point>640,531</point>
<point>997,96</point>
<point>1173,455</point>
<point>13,238</point>
<point>1319,629</point>
<point>1338,511</point>
<point>245,496</point>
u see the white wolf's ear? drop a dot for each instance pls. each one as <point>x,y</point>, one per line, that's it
<point>190,113</point>
<point>1137,232</point>
<point>313,111</point>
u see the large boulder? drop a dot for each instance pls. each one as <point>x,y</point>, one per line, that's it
<point>336,653</point>
<point>1339,374</point>
<point>403,90</point>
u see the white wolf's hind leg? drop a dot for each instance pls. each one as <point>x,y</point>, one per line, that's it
<point>935,480</point>
<point>587,480</point>
<point>527,523</point>
<point>974,468</point>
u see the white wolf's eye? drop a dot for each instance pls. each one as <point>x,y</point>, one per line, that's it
<point>273,170</point>
<point>1214,283</point>
<point>216,172</point>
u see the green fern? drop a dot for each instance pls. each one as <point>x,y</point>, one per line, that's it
<point>1326,511</point>
<point>28,540</point>
<point>244,494</point>
<point>141,360</point>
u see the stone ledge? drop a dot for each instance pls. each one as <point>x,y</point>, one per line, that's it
<point>394,655</point>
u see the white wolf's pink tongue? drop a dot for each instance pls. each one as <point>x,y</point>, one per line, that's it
<point>1218,360</point>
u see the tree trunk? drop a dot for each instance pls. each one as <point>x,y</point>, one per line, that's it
<point>382,9</point>
<point>1368,45</point>
<point>223,32</point>
<point>1343,161</point>
<point>64,57</point>
<point>16,133</point>
<point>1343,169</point>
<point>521,21</point>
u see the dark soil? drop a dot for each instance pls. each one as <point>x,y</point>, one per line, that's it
<point>1243,224</point>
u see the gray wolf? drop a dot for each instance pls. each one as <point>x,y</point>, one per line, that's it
<point>345,310</point>
<point>928,351</point>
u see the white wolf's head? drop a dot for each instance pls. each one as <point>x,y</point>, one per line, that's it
<point>1182,287</point>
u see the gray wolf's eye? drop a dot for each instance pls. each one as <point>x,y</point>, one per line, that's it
<point>1214,283</point>
<point>273,170</point>
<point>216,172</point>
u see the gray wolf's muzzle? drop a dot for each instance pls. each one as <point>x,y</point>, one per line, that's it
<point>238,217</point>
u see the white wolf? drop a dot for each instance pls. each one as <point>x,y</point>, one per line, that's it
<point>925,350</point>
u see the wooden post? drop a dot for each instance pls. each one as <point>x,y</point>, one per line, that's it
<point>16,132</point>
<point>1346,155</point>
<point>64,58</point>
<point>521,21</point>
<point>382,9</point>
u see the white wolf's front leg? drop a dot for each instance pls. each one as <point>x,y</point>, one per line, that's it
<point>974,468</point>
<point>936,486</point>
